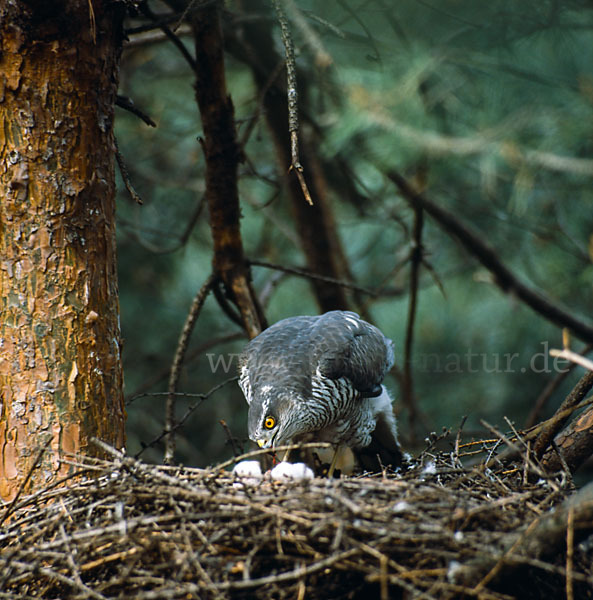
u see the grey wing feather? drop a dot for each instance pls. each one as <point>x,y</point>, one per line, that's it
<point>346,346</point>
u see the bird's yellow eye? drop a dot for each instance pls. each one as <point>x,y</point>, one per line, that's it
<point>269,422</point>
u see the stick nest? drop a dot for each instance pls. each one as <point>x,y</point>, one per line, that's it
<point>124,529</point>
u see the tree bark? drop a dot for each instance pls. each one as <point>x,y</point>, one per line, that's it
<point>575,442</point>
<point>60,368</point>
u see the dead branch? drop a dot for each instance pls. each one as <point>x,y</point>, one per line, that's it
<point>292,95</point>
<point>188,327</point>
<point>504,278</point>
<point>573,445</point>
<point>305,273</point>
<point>254,45</point>
<point>578,393</point>
<point>125,175</point>
<point>128,104</point>
<point>145,9</point>
<point>190,409</point>
<point>416,260</point>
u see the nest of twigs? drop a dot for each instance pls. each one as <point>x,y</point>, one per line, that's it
<point>124,529</point>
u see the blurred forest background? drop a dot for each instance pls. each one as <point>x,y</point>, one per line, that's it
<point>486,107</point>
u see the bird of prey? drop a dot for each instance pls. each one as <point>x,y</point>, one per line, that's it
<point>320,379</point>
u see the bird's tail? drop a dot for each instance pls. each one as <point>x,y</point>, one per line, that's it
<point>383,451</point>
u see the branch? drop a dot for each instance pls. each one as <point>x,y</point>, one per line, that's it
<point>309,275</point>
<point>580,390</point>
<point>125,175</point>
<point>504,278</point>
<point>223,155</point>
<point>144,8</point>
<point>190,322</point>
<point>254,45</point>
<point>573,445</point>
<point>544,536</point>
<point>293,112</point>
<point>188,412</point>
<point>415,264</point>
<point>128,104</point>
<point>573,357</point>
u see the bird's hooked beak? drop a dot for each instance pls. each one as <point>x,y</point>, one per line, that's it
<point>264,443</point>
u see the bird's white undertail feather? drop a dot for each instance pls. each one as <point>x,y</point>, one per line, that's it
<point>383,404</point>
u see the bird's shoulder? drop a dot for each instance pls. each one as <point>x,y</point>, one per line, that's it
<point>344,345</point>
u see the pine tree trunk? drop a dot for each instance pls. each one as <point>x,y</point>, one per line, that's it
<point>60,368</point>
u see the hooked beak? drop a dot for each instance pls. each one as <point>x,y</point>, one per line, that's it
<point>264,443</point>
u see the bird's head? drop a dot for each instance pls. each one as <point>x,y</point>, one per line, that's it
<point>271,421</point>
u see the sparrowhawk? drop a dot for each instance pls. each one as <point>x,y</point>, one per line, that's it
<point>320,379</point>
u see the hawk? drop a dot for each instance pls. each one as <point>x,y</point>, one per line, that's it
<point>320,379</point>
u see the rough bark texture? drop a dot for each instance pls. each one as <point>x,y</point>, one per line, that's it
<point>223,156</point>
<point>315,224</point>
<point>577,394</point>
<point>60,368</point>
<point>575,443</point>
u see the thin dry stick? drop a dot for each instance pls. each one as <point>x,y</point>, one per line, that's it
<point>572,357</point>
<point>278,449</point>
<point>289,575</point>
<point>128,104</point>
<point>141,392</point>
<point>292,94</point>
<point>504,278</point>
<point>533,466</point>
<point>570,554</point>
<point>125,175</point>
<point>416,262</point>
<point>190,409</point>
<point>493,572</point>
<point>190,322</point>
<point>301,272</point>
<point>145,9</point>
<point>322,56</point>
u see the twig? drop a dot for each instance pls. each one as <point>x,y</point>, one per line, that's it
<point>188,412</point>
<point>128,104</point>
<point>572,357</point>
<point>415,264</point>
<point>301,272</point>
<point>292,95</point>
<point>145,9</point>
<point>534,467</point>
<point>562,460</point>
<point>458,439</point>
<point>230,437</point>
<point>290,575</point>
<point>125,175</point>
<point>188,327</point>
<point>504,278</point>
<point>279,449</point>
<point>570,554</point>
<point>141,391</point>
<point>322,56</point>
